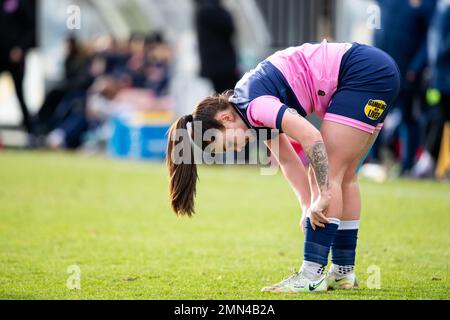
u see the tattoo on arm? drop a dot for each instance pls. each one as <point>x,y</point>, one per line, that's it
<point>318,159</point>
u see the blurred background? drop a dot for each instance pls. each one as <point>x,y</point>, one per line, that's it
<point>110,77</point>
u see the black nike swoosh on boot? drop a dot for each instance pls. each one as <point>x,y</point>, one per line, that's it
<point>314,287</point>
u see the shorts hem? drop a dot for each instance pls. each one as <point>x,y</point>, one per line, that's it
<point>350,122</point>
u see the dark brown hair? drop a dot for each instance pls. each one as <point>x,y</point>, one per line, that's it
<point>183,176</point>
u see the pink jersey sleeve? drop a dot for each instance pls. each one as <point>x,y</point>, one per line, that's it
<point>266,111</point>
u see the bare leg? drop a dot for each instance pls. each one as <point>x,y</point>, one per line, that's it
<point>351,195</point>
<point>344,146</point>
<point>344,244</point>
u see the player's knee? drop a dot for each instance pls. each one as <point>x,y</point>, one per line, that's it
<point>339,165</point>
<point>337,173</point>
<point>336,184</point>
<point>350,178</point>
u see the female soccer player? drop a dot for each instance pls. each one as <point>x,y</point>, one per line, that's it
<point>351,87</point>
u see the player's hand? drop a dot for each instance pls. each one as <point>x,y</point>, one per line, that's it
<point>302,223</point>
<point>318,209</point>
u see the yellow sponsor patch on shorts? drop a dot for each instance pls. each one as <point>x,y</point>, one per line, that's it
<point>374,109</point>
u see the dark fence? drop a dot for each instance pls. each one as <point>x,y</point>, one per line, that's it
<point>292,22</point>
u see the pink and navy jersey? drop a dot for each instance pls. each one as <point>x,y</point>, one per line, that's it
<point>304,78</point>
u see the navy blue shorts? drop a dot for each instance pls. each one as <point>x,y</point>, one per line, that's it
<point>369,82</point>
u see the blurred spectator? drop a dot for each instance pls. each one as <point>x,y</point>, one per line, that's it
<point>403,35</point>
<point>68,122</point>
<point>75,77</point>
<point>159,56</point>
<point>215,30</point>
<point>102,78</point>
<point>17,34</point>
<point>142,86</point>
<point>438,95</point>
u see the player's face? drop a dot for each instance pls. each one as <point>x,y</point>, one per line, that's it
<point>235,139</point>
<point>230,140</point>
<point>235,136</point>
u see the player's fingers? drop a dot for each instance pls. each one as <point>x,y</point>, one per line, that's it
<point>319,217</point>
<point>302,225</point>
<point>312,222</point>
<point>315,221</point>
<point>322,218</point>
<point>319,224</point>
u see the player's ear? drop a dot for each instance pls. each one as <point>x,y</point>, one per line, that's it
<point>226,116</point>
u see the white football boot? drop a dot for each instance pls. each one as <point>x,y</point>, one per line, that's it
<point>337,282</point>
<point>298,283</point>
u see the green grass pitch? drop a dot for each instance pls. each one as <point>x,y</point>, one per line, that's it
<point>112,219</point>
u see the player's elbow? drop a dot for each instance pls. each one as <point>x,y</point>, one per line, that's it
<point>311,138</point>
<point>316,135</point>
<point>299,129</point>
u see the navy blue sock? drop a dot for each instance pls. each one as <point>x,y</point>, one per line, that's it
<point>343,249</point>
<point>318,242</point>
